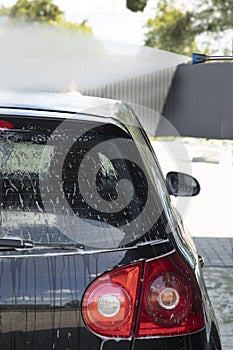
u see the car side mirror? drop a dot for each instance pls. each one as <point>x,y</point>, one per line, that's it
<point>183,185</point>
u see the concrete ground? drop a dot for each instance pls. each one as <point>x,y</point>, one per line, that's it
<point>209,216</point>
<point>219,282</point>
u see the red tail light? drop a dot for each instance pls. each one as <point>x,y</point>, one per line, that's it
<point>171,300</point>
<point>5,125</point>
<point>109,304</point>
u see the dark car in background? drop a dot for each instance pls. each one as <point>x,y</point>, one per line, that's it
<point>92,253</point>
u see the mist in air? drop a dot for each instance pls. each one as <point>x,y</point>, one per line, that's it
<point>42,58</point>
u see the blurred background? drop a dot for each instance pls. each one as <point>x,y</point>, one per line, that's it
<point>179,26</point>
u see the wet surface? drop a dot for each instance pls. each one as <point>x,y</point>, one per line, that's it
<point>219,282</point>
<point>217,252</point>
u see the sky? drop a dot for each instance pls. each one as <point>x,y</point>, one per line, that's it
<point>112,20</point>
<point>108,18</point>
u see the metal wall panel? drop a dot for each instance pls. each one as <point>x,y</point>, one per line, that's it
<point>200,101</point>
<point>146,93</point>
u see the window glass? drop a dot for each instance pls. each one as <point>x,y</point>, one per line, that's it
<point>78,183</point>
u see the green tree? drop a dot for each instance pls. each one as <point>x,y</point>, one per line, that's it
<point>176,29</point>
<point>214,16</point>
<point>136,5</point>
<point>41,11</point>
<point>171,29</point>
<point>79,27</point>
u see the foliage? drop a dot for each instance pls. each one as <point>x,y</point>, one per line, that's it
<point>33,11</point>
<point>176,29</point>
<point>41,11</point>
<point>136,5</point>
<point>82,27</point>
<point>171,29</point>
<point>214,16</point>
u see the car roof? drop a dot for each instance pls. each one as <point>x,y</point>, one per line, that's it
<point>59,102</point>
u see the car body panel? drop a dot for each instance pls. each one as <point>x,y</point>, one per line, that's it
<point>42,287</point>
<point>42,290</point>
<point>60,103</point>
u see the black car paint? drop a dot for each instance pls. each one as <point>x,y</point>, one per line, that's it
<point>41,292</point>
<point>42,289</point>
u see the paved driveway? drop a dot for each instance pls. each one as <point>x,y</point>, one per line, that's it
<point>219,282</point>
<point>211,162</point>
<point>209,216</point>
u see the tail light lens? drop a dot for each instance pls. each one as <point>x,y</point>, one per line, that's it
<point>171,300</point>
<point>168,299</point>
<point>109,304</point>
<point>5,125</point>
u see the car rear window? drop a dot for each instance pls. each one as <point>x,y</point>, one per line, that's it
<point>74,182</point>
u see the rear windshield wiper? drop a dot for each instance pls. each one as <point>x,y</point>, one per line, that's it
<point>15,242</point>
<point>67,246</point>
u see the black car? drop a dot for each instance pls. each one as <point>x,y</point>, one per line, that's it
<point>92,253</point>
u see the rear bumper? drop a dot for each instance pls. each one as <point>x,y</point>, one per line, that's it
<point>197,341</point>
